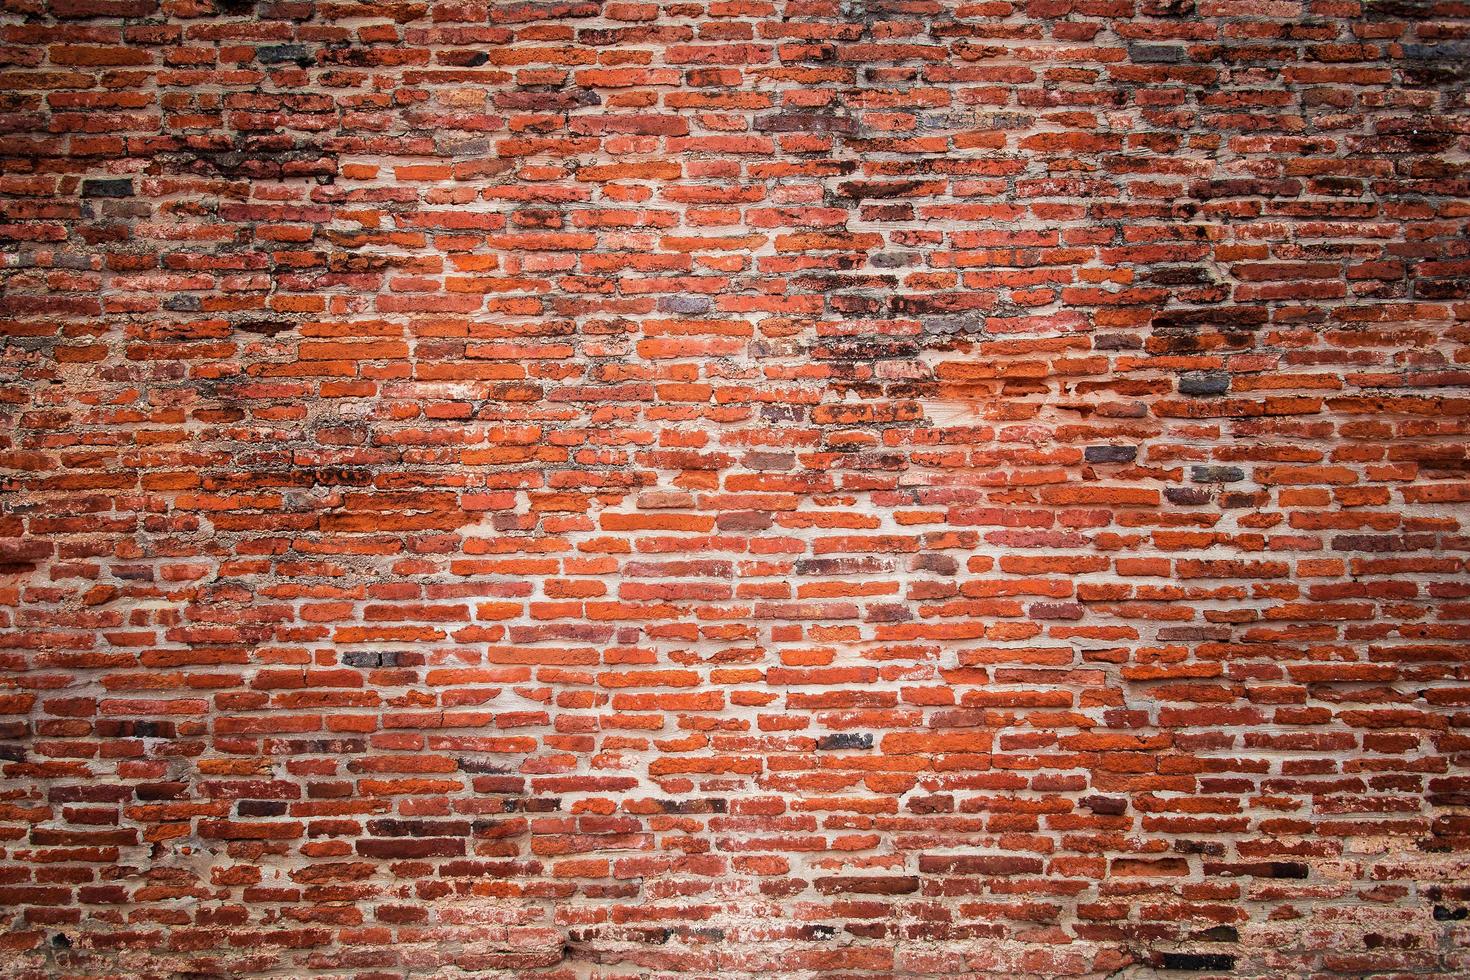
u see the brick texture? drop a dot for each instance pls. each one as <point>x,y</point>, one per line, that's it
<point>734,488</point>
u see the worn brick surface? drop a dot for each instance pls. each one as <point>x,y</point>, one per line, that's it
<point>733,488</point>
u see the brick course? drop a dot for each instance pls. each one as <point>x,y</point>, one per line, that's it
<point>871,488</point>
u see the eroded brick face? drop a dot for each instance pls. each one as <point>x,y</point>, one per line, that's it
<point>802,489</point>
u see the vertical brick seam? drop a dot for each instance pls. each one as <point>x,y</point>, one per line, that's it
<point>874,488</point>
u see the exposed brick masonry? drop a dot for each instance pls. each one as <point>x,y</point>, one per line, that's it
<point>879,488</point>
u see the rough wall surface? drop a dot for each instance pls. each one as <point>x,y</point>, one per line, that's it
<point>733,488</point>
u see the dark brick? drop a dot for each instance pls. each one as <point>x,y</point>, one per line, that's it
<point>107,187</point>
<point>1110,454</point>
<point>1205,383</point>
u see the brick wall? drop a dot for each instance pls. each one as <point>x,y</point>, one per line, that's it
<point>863,488</point>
